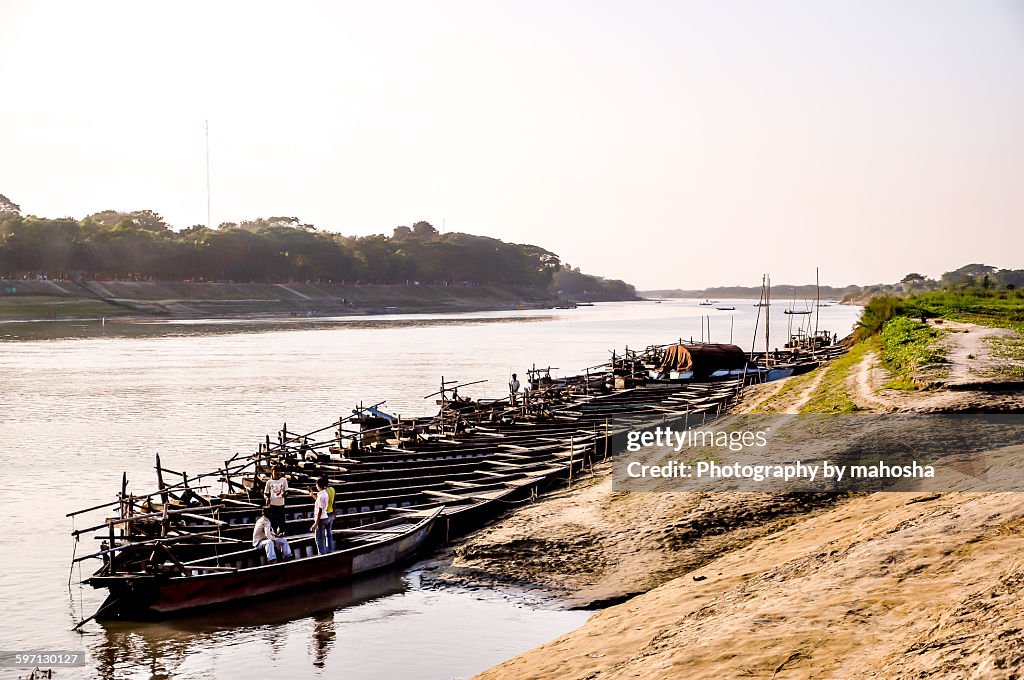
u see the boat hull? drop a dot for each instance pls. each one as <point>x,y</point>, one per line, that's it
<point>148,597</point>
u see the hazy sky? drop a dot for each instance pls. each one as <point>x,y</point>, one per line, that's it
<point>666,143</point>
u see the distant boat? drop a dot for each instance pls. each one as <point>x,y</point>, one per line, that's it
<point>796,311</point>
<point>762,304</point>
<point>725,309</point>
<point>706,303</point>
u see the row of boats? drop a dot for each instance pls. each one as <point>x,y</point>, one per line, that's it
<point>401,484</point>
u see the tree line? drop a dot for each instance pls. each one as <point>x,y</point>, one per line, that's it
<point>140,245</point>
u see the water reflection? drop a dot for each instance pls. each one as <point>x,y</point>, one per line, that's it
<point>323,638</point>
<point>166,648</point>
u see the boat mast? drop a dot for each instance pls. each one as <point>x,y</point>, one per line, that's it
<point>757,321</point>
<point>767,317</point>
<point>817,301</point>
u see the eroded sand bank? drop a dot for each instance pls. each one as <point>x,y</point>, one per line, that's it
<point>756,585</point>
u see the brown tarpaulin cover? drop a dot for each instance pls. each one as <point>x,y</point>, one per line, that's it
<point>703,360</point>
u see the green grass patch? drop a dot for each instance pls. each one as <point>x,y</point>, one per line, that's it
<point>1003,309</point>
<point>832,395</point>
<point>908,346</point>
<point>876,312</point>
<point>1007,347</point>
<point>31,307</point>
<point>1010,348</point>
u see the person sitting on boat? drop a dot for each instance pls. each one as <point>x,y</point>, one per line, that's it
<point>263,536</point>
<point>274,491</point>
<point>307,453</point>
<point>513,388</point>
<point>320,516</point>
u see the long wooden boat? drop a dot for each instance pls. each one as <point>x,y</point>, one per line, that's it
<point>245,575</point>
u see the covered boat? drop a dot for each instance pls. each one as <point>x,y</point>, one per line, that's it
<point>703,359</point>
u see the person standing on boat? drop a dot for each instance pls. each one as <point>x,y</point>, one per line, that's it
<point>274,491</point>
<point>513,389</point>
<point>320,525</point>
<point>330,513</point>
<point>263,536</point>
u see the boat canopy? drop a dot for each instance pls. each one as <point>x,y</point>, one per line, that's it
<point>702,359</point>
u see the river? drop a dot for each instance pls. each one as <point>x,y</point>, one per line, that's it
<point>84,401</point>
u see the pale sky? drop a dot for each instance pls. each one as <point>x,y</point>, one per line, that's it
<point>670,144</point>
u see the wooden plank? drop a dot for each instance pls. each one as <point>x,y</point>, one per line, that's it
<point>442,494</point>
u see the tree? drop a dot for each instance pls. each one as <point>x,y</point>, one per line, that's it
<point>9,206</point>
<point>401,232</point>
<point>913,277</point>
<point>966,276</point>
<point>261,223</point>
<point>424,230</point>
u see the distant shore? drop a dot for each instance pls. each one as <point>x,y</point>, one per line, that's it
<point>48,300</point>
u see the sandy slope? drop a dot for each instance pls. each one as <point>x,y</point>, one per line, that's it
<point>886,585</point>
<point>595,545</point>
<point>750,585</point>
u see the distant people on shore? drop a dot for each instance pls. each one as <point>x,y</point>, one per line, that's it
<point>263,536</point>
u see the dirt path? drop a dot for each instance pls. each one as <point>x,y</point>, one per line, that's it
<point>806,395</point>
<point>965,383</point>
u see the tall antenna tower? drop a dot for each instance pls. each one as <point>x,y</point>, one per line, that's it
<point>207,126</point>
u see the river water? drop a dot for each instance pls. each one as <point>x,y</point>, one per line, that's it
<point>84,401</point>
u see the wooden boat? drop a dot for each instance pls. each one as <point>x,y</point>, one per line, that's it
<point>725,309</point>
<point>244,574</point>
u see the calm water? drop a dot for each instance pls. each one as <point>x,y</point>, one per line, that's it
<point>84,401</point>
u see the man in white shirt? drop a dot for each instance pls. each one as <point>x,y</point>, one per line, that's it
<point>274,491</point>
<point>513,388</point>
<point>321,527</point>
<point>263,536</point>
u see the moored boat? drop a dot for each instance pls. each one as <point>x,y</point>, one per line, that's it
<point>245,574</point>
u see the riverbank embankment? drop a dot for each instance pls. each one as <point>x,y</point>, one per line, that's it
<point>713,585</point>
<point>55,300</point>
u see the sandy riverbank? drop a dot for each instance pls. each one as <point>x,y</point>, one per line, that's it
<point>719,585</point>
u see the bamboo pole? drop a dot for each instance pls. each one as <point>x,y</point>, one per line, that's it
<point>571,454</point>
<point>160,481</point>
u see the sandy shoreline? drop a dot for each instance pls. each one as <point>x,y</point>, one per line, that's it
<point>716,585</point>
